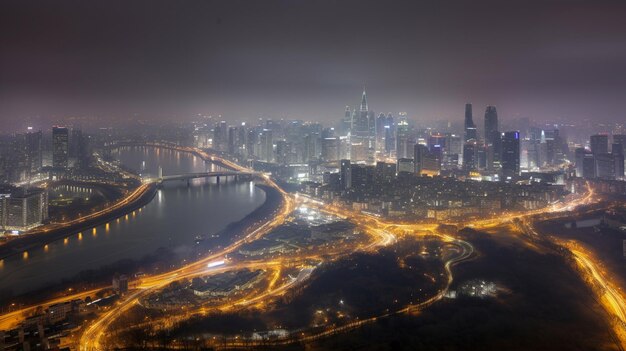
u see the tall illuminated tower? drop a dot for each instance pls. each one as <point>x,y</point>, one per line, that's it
<point>470,127</point>
<point>491,124</point>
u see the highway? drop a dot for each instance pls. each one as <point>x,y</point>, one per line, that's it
<point>381,233</point>
<point>91,338</point>
<point>612,297</point>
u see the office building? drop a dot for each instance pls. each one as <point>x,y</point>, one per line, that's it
<point>404,165</point>
<point>404,141</point>
<point>470,155</point>
<point>60,147</point>
<point>426,162</point>
<point>579,155</point>
<point>599,144</point>
<point>510,155</point>
<point>330,149</point>
<point>346,122</point>
<point>605,166</point>
<point>491,124</point>
<point>22,209</point>
<point>619,142</point>
<point>345,174</point>
<point>470,127</point>
<point>385,173</point>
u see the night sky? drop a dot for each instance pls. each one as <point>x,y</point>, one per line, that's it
<point>308,59</point>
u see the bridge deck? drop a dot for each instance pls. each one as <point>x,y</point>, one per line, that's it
<point>204,175</point>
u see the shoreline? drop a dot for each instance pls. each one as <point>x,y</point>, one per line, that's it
<point>31,241</point>
<point>34,240</point>
<point>100,280</point>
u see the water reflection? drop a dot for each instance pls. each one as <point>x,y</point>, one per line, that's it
<point>178,215</point>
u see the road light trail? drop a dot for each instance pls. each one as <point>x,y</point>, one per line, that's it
<point>376,228</point>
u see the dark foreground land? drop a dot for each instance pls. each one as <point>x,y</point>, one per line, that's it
<point>605,242</point>
<point>542,305</point>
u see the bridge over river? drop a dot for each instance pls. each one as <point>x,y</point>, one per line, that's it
<point>188,176</point>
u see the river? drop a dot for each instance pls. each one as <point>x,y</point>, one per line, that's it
<point>178,213</point>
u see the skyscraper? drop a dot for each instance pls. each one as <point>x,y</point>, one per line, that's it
<point>390,134</point>
<point>346,174</point>
<point>60,147</point>
<point>579,155</point>
<point>381,122</point>
<point>403,144</point>
<point>617,151</point>
<point>267,146</point>
<point>605,166</point>
<point>470,155</point>
<point>620,141</point>
<point>330,149</point>
<point>491,124</point>
<point>363,131</point>
<point>470,127</point>
<point>360,126</point>
<point>599,144</point>
<point>346,122</point>
<point>510,155</point>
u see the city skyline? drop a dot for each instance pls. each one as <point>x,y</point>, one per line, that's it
<point>545,60</point>
<point>312,175</point>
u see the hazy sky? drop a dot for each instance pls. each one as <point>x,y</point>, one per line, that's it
<point>308,59</point>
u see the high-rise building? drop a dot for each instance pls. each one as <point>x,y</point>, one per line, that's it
<point>420,152</point>
<point>252,139</point>
<point>346,122</point>
<point>605,166</point>
<point>35,150</point>
<point>282,152</point>
<point>220,136</point>
<point>267,146</point>
<point>364,129</point>
<point>381,122</point>
<point>385,173</point>
<point>26,155</point>
<point>453,151</point>
<point>470,155</point>
<point>361,126</point>
<point>390,134</point>
<point>494,152</point>
<point>426,161</point>
<point>330,149</point>
<point>60,147</point>
<point>491,124</point>
<point>362,177</point>
<point>345,175</point>
<point>579,155</point>
<point>22,208</point>
<point>510,155</point>
<point>233,135</point>
<point>470,127</point>
<point>482,155</point>
<point>403,142</point>
<point>79,149</point>
<point>618,158</point>
<point>589,166</point>
<point>599,144</point>
<point>620,140</point>
<point>405,165</point>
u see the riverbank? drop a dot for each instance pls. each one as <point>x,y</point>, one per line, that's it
<point>28,242</point>
<point>273,202</point>
<point>163,259</point>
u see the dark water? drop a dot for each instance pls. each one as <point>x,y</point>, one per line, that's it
<point>173,219</point>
